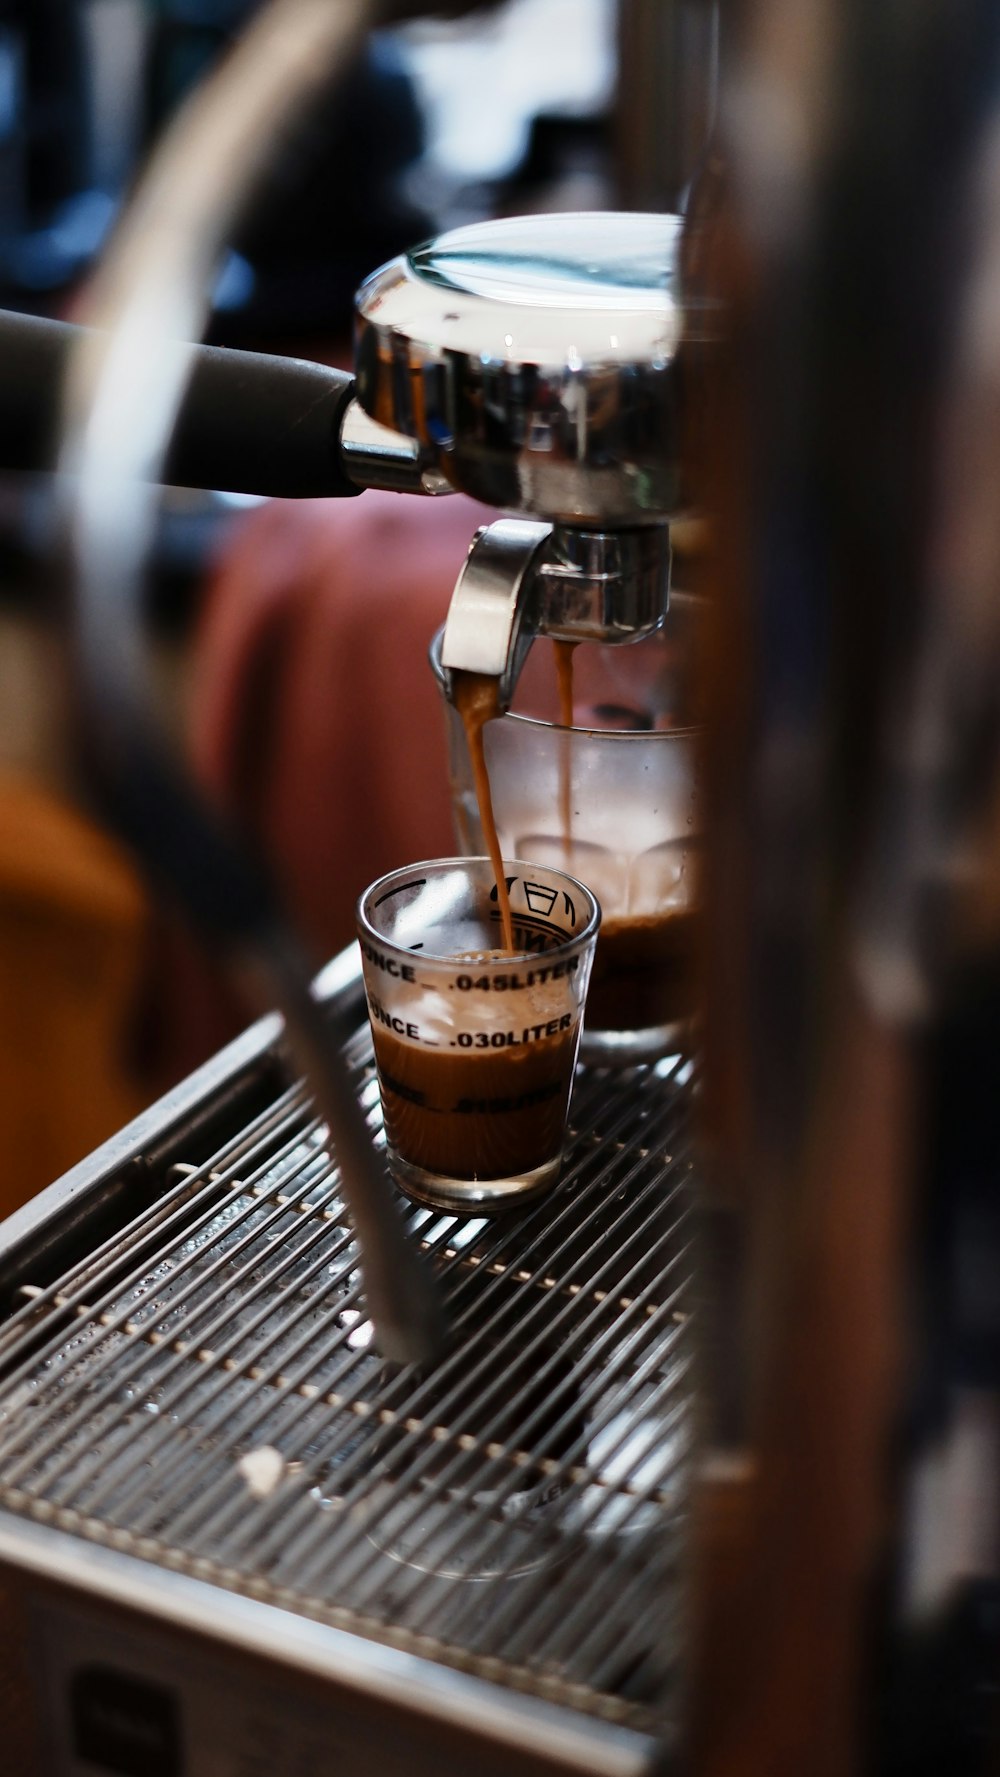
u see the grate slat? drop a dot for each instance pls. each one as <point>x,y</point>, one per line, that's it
<point>107,1325</point>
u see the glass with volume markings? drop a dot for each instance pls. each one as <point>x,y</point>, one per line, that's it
<point>475,1047</point>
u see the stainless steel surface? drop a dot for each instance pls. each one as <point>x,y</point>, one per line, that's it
<point>93,1604</point>
<point>536,357</point>
<point>373,456</point>
<point>488,629</point>
<point>532,360</point>
<point>603,586</point>
<point>517,1512</point>
<point>521,580</point>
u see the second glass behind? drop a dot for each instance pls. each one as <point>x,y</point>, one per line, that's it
<point>611,800</point>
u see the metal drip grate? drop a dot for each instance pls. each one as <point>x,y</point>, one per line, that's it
<point>202,1392</point>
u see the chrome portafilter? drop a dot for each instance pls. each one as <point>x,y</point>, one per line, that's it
<point>534,362</point>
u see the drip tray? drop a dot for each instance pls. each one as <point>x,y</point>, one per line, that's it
<point>201,1392</point>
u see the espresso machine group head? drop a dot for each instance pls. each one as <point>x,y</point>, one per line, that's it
<point>533,360</point>
<point>530,362</point>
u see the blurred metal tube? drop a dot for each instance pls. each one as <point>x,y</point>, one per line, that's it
<point>124,389</point>
<point>842,1072</point>
<point>665,98</point>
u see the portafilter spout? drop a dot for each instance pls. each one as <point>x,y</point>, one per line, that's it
<point>534,361</point>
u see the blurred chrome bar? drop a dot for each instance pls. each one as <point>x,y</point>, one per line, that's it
<point>667,88</point>
<point>124,388</point>
<point>853,953</point>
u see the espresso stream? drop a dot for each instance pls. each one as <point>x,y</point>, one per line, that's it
<point>477,702</point>
<point>564,675</point>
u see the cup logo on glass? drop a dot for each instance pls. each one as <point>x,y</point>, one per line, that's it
<point>476,1043</point>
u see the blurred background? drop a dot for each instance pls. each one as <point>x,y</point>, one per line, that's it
<point>255,610</point>
<point>853,989</point>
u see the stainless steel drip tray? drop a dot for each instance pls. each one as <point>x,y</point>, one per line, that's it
<point>190,1403</point>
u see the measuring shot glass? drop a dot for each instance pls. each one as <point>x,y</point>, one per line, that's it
<point>475,1049</point>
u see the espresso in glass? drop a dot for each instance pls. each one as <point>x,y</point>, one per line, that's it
<point>475,1046</point>
<point>644,972</point>
<point>480,1113</point>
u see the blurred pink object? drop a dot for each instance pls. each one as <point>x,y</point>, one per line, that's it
<point>316,723</point>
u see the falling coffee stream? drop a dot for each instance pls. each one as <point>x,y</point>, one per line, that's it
<point>477,702</point>
<point>564,676</point>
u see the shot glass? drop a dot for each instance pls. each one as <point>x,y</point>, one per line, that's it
<point>475,1048</point>
<point>616,806</point>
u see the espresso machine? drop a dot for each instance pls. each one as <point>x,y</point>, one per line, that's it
<point>694,1463</point>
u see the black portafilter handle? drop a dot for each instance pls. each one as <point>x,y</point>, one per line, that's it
<point>249,422</point>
